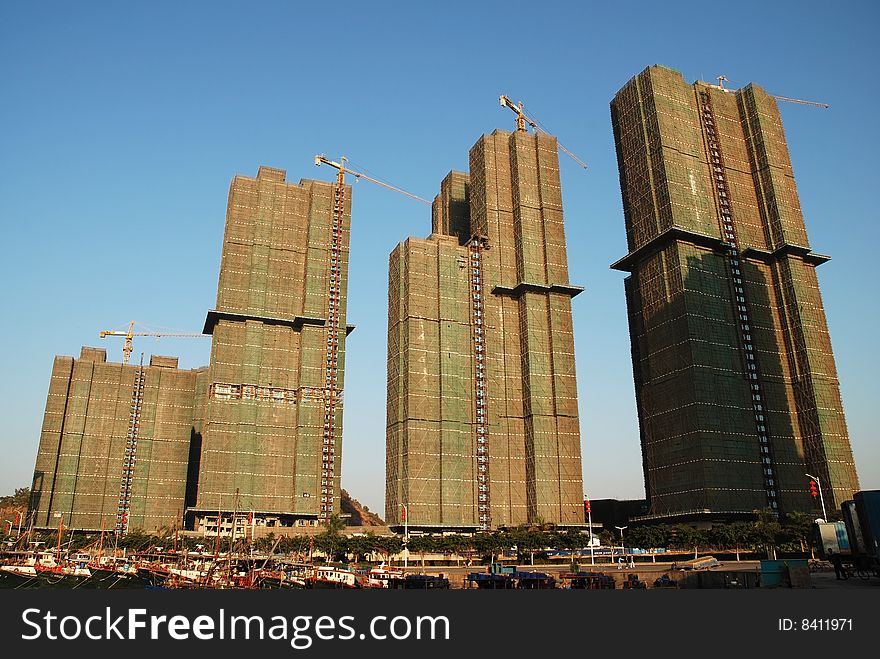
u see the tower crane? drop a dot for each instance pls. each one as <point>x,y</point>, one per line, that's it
<point>722,79</point>
<point>802,102</point>
<point>343,170</point>
<point>331,393</point>
<point>522,119</point>
<point>130,333</point>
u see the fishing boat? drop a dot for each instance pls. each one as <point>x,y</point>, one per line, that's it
<point>69,573</point>
<point>329,576</point>
<point>114,572</point>
<point>422,582</point>
<point>282,576</point>
<point>18,576</point>
<point>382,576</point>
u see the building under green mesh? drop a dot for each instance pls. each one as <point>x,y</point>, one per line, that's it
<point>257,431</point>
<point>482,424</point>
<point>86,438</point>
<point>736,386</point>
<point>273,415</point>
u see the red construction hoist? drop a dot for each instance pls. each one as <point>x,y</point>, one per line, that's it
<point>741,306</point>
<point>475,247</point>
<point>128,460</point>
<point>331,393</point>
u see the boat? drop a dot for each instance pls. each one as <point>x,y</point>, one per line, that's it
<point>511,580</point>
<point>329,576</point>
<point>421,582</point>
<point>587,581</point>
<point>69,573</point>
<point>18,576</point>
<point>281,577</point>
<point>382,576</point>
<point>115,572</point>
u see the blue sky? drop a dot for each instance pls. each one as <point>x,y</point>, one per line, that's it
<point>122,126</point>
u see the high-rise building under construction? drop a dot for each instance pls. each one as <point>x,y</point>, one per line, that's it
<point>482,427</point>
<point>259,430</point>
<point>115,445</point>
<point>271,441</point>
<point>736,387</point>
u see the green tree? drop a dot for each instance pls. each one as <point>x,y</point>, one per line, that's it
<point>768,532</point>
<point>649,537</point>
<point>265,543</point>
<point>527,540</point>
<point>388,545</point>
<point>732,536</point>
<point>572,539</point>
<point>295,544</point>
<point>798,527</point>
<point>452,544</point>
<point>487,545</point>
<point>606,537</point>
<point>333,545</point>
<point>359,546</point>
<point>421,545</point>
<point>330,542</point>
<point>334,524</point>
<point>20,499</point>
<point>687,537</point>
<point>138,540</point>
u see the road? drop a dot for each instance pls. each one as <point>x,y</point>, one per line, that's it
<point>648,572</point>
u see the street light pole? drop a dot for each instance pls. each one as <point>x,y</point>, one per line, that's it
<point>821,498</point>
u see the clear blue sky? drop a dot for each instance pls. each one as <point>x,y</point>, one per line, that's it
<point>122,125</point>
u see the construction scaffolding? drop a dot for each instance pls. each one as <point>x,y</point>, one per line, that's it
<point>130,457</point>
<point>142,447</point>
<point>115,444</point>
<point>274,410</point>
<point>480,319</point>
<point>728,382</point>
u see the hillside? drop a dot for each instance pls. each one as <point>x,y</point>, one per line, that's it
<point>359,515</point>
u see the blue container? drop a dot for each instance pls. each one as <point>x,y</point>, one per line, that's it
<point>773,573</point>
<point>842,537</point>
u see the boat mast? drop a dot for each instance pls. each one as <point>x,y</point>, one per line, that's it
<point>232,539</point>
<point>101,541</point>
<point>217,539</point>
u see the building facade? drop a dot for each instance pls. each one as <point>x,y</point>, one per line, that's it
<point>482,427</point>
<point>115,444</point>
<point>736,386</point>
<point>272,436</point>
<point>258,431</point>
